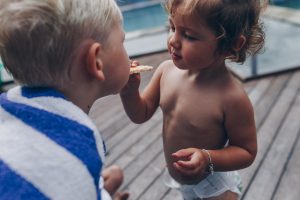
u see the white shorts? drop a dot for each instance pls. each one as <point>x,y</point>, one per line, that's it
<point>212,186</point>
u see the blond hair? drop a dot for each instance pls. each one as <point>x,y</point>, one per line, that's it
<point>38,38</point>
<point>229,19</point>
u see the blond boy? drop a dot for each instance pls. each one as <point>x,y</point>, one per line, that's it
<point>64,57</point>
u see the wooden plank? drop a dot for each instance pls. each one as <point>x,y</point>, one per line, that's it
<point>121,135</point>
<point>140,132</point>
<point>141,162</point>
<point>290,180</point>
<point>99,111</point>
<point>139,147</point>
<point>115,124</point>
<point>157,189</point>
<point>256,94</point>
<point>263,107</point>
<point>249,86</point>
<point>173,195</point>
<point>268,130</point>
<point>147,177</point>
<point>269,172</point>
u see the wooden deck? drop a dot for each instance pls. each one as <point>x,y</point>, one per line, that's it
<point>275,174</point>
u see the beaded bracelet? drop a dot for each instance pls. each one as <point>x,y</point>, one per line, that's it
<point>210,164</point>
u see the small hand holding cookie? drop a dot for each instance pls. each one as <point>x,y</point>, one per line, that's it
<point>191,162</point>
<point>140,68</point>
<point>133,81</point>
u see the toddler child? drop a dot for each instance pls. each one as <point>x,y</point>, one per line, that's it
<point>64,56</point>
<point>208,121</point>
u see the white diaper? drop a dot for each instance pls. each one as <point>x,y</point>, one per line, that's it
<point>212,186</point>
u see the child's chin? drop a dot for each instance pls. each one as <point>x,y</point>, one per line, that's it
<point>179,66</point>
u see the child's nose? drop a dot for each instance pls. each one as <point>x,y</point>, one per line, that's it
<point>174,40</point>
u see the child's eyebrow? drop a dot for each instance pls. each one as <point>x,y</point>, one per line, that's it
<point>183,27</point>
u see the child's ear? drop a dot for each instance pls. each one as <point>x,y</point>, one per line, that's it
<point>240,42</point>
<point>94,62</point>
<point>237,46</point>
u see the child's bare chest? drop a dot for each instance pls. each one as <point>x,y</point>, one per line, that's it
<point>192,115</point>
<point>191,103</point>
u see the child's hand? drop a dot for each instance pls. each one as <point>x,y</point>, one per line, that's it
<point>191,162</point>
<point>133,82</point>
<point>121,196</point>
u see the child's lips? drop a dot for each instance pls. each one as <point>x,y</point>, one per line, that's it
<point>175,56</point>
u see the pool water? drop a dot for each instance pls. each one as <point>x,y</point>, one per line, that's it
<point>148,16</point>
<point>295,4</point>
<point>141,14</point>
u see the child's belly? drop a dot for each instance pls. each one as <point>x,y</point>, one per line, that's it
<point>179,135</point>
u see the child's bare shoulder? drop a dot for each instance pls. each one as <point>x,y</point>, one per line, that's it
<point>235,95</point>
<point>166,65</point>
<point>162,68</point>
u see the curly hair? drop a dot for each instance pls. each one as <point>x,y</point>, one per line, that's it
<point>229,19</point>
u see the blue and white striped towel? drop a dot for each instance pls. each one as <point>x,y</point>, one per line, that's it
<point>49,148</point>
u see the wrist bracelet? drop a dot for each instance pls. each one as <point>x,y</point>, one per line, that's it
<point>210,164</point>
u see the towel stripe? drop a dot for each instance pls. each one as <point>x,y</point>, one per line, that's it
<point>31,92</point>
<point>63,131</point>
<point>51,168</point>
<point>59,106</point>
<point>15,187</point>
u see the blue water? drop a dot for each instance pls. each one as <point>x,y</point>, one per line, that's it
<point>145,14</point>
<point>148,17</point>
<point>128,2</point>
<point>295,4</point>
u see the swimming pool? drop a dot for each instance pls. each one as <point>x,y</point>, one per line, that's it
<point>144,15</point>
<point>294,4</point>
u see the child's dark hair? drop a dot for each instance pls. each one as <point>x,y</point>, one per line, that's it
<point>229,19</point>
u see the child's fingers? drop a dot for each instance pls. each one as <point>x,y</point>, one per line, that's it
<point>134,63</point>
<point>183,153</point>
<point>186,164</point>
<point>184,170</point>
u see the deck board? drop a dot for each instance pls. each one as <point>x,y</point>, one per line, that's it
<point>269,172</point>
<point>267,132</point>
<point>269,98</point>
<point>137,148</point>
<point>142,161</point>
<point>290,176</point>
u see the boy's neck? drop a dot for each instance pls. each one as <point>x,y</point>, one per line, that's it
<point>80,98</point>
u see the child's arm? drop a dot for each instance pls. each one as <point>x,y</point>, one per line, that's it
<point>139,107</point>
<point>240,152</point>
<point>240,127</point>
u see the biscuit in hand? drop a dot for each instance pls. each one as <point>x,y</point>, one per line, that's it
<point>140,68</point>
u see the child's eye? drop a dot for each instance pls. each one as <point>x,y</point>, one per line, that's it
<point>172,29</point>
<point>189,37</point>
